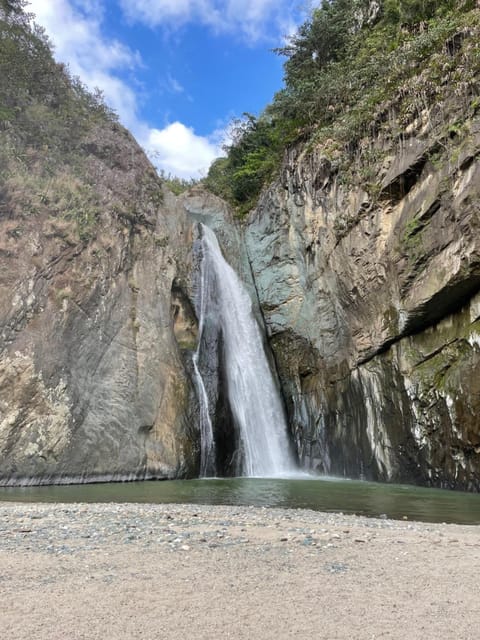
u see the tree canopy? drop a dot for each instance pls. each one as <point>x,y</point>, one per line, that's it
<point>349,57</point>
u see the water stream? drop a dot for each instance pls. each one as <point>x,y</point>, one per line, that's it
<point>254,400</point>
<point>207,459</point>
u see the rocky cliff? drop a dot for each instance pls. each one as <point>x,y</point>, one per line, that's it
<point>92,252</point>
<point>98,323</point>
<point>369,282</point>
<point>91,382</point>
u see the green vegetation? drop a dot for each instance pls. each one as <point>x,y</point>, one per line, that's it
<point>40,103</point>
<point>252,158</point>
<point>44,117</point>
<point>61,147</point>
<point>353,65</point>
<point>177,185</point>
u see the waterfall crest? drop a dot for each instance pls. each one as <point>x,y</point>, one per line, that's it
<point>252,394</point>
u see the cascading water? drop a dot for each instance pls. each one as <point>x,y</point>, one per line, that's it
<point>252,394</point>
<point>207,457</point>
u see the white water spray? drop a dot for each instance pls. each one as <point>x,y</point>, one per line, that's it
<point>207,457</point>
<point>254,399</point>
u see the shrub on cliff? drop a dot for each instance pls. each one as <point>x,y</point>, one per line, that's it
<point>345,66</point>
<point>62,152</point>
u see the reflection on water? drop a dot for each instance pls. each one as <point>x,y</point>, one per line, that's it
<point>320,494</point>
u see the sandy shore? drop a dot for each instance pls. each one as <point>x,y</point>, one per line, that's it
<point>117,572</point>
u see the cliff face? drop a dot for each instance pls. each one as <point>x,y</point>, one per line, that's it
<point>97,283</point>
<point>93,253</point>
<point>371,306</point>
<point>91,381</point>
<point>371,301</point>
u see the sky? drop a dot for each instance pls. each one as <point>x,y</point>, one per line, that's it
<point>177,72</point>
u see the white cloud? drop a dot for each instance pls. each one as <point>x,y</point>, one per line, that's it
<point>75,29</point>
<point>173,85</point>
<point>253,19</point>
<point>180,152</point>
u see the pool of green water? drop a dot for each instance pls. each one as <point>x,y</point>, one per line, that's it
<point>321,494</point>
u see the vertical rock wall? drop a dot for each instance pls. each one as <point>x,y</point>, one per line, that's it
<point>370,299</point>
<point>92,382</point>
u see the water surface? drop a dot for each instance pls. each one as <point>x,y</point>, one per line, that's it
<point>320,494</point>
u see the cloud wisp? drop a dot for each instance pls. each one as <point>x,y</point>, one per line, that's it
<point>252,20</point>
<point>75,29</point>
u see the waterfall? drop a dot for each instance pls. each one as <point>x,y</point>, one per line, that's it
<point>207,456</point>
<point>254,400</point>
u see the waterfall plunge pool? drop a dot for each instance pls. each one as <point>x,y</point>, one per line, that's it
<point>320,494</point>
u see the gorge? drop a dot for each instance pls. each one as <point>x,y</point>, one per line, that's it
<point>120,330</point>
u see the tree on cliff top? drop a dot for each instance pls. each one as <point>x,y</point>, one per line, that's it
<point>347,59</point>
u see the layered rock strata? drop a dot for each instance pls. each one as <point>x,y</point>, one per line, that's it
<point>370,296</point>
<point>92,384</point>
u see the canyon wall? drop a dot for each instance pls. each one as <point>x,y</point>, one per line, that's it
<point>369,290</point>
<point>92,384</point>
<point>371,306</point>
<point>98,324</point>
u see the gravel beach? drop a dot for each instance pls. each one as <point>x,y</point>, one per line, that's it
<point>128,571</point>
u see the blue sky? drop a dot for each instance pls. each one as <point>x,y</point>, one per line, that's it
<point>176,71</point>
